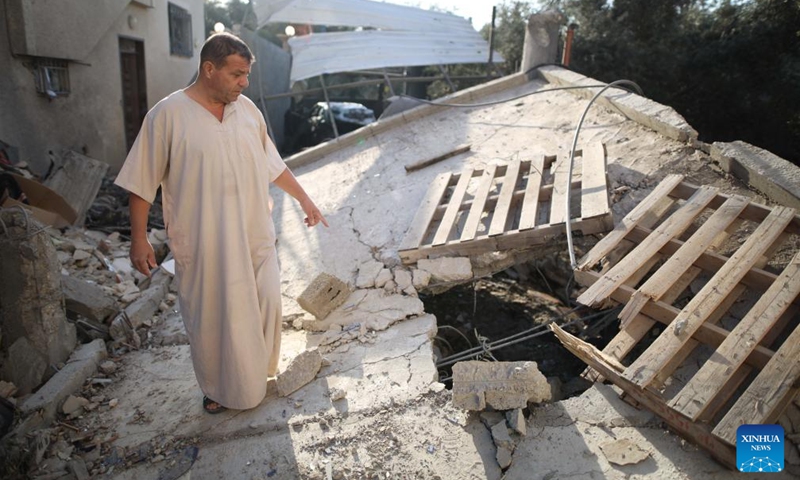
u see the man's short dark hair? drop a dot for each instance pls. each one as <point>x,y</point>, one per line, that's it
<point>220,45</point>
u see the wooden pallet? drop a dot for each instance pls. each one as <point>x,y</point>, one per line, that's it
<point>666,263</point>
<point>509,206</point>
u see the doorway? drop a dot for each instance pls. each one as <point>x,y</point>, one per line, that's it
<point>134,87</point>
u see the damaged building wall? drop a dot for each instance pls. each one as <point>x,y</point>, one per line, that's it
<point>38,124</point>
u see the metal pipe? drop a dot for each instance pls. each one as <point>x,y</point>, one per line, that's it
<point>330,110</point>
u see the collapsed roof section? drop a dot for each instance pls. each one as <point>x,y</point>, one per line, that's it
<point>405,36</point>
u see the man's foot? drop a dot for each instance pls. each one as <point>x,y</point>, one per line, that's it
<point>211,406</point>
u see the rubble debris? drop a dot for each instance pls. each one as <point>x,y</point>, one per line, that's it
<point>516,420</point>
<point>500,385</point>
<point>367,273</point>
<point>421,278</point>
<point>77,178</point>
<point>384,277</point>
<point>73,404</point>
<point>624,452</point>
<point>7,389</point>
<point>87,299</point>
<point>373,309</point>
<point>32,321</point>
<point>504,443</point>
<point>81,365</point>
<point>323,294</point>
<point>438,158</point>
<point>124,326</point>
<point>300,371</point>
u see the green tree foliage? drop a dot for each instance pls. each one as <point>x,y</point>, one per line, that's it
<point>732,69</point>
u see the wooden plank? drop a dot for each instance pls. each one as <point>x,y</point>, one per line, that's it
<point>694,432</point>
<point>644,370</point>
<point>561,188</point>
<point>594,188</point>
<point>453,207</point>
<point>753,212</point>
<point>500,216</point>
<point>424,163</point>
<point>712,335</point>
<point>422,219</point>
<point>530,202</point>
<point>751,330</point>
<point>478,203</point>
<point>610,241</point>
<point>685,256</point>
<point>671,228</point>
<point>765,398</point>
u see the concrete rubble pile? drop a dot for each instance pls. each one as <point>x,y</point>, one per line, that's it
<point>71,306</point>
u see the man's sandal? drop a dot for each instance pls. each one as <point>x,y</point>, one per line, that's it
<point>211,406</point>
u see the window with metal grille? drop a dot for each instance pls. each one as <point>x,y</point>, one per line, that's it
<point>51,76</point>
<point>180,31</point>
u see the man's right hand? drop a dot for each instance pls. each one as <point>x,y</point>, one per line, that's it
<point>143,257</point>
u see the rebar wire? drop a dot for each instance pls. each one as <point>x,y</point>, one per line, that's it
<point>29,233</point>
<point>458,332</point>
<point>538,330</point>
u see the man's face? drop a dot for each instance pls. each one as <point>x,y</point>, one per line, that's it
<point>228,81</point>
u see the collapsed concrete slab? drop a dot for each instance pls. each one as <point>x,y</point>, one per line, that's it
<point>499,385</point>
<point>87,299</point>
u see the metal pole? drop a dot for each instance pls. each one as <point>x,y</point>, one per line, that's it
<point>491,43</point>
<point>389,83</point>
<point>447,77</point>
<point>330,110</point>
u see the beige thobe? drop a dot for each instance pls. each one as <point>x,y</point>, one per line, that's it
<point>215,194</point>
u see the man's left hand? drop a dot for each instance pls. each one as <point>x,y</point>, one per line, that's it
<point>313,215</point>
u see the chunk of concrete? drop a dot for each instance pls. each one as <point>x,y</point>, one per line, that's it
<point>367,273</point>
<point>138,312</point>
<point>447,269</point>
<point>500,385</point>
<point>323,295</point>
<point>25,365</point>
<point>73,404</point>
<point>421,278</point>
<point>31,295</point>
<point>403,279</point>
<point>504,443</point>
<point>384,277</point>
<point>300,372</point>
<point>87,299</point>
<point>516,420</point>
<point>374,309</point>
<point>81,364</point>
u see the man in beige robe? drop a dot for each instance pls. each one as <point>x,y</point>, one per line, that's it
<point>208,148</point>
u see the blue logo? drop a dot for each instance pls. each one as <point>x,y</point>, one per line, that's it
<point>759,448</point>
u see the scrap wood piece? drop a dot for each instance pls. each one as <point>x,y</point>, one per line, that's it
<point>438,158</point>
<point>751,330</point>
<point>645,369</point>
<point>500,216</point>
<point>671,228</point>
<point>478,203</point>
<point>769,394</point>
<point>609,368</point>
<point>638,214</point>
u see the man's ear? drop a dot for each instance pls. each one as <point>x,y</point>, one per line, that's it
<point>207,68</point>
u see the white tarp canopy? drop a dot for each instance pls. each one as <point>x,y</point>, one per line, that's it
<point>407,36</point>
